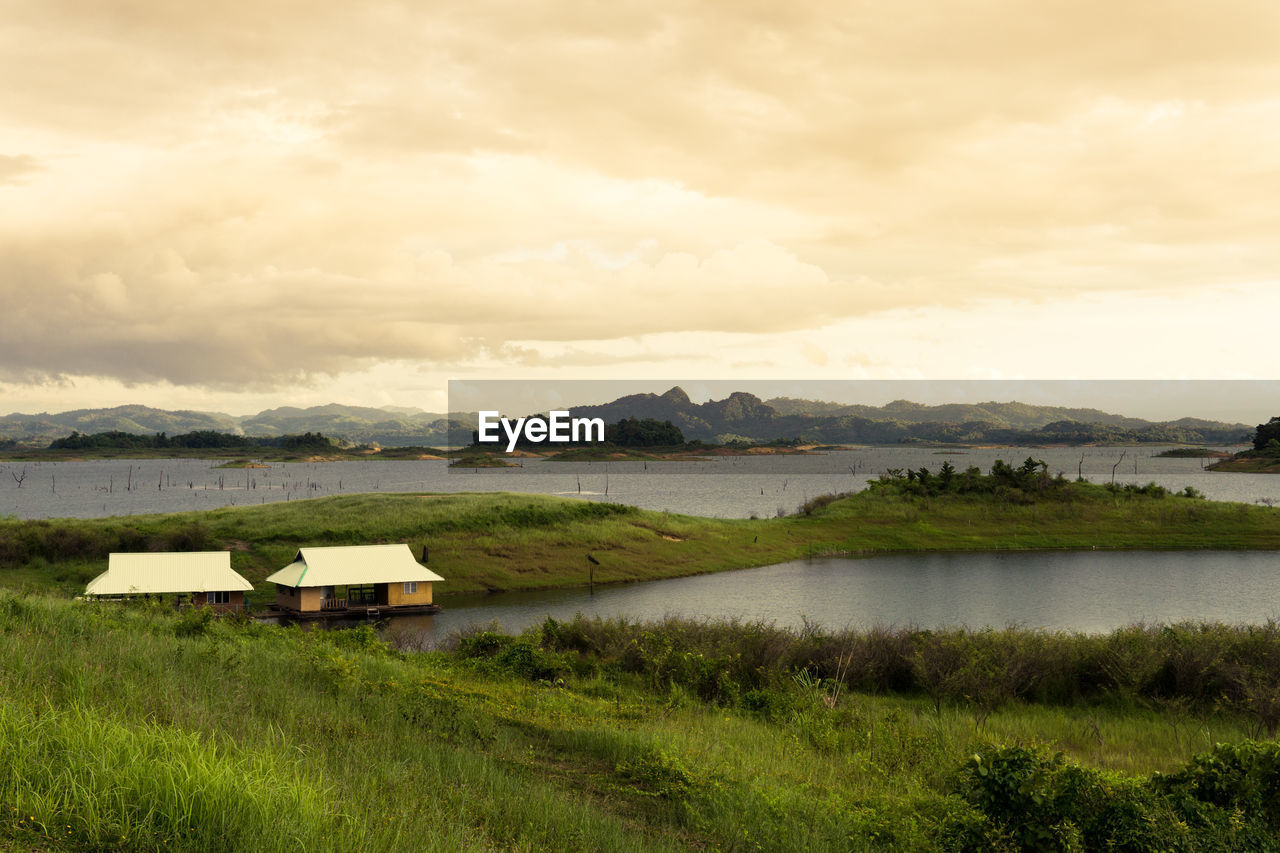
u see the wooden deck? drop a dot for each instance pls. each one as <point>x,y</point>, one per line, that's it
<point>362,611</point>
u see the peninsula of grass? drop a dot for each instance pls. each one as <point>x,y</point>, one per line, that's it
<point>137,728</point>
<point>496,542</point>
<point>1251,462</point>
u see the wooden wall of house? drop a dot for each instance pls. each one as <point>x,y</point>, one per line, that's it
<point>201,599</point>
<point>306,599</point>
<point>397,596</point>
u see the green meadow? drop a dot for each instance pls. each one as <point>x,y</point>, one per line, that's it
<point>138,728</point>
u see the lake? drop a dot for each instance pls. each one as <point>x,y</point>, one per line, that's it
<point>1087,591</point>
<point>729,487</point>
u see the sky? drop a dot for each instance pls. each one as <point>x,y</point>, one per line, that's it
<point>242,205</point>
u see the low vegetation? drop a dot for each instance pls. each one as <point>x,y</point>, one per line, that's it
<point>134,728</point>
<point>1201,669</point>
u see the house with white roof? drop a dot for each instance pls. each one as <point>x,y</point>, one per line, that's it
<point>365,579</point>
<point>206,577</point>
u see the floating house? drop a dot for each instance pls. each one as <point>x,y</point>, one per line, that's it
<point>354,579</point>
<point>201,578</point>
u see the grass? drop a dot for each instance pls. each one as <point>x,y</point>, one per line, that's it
<point>79,776</point>
<point>490,542</point>
<point>134,737</point>
<point>124,728</point>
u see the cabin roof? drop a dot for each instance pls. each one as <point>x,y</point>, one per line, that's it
<point>164,572</point>
<point>344,565</point>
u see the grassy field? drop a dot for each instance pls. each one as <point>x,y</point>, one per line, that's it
<point>133,728</point>
<point>491,542</point>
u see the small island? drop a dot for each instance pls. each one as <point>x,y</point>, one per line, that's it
<point>1193,453</point>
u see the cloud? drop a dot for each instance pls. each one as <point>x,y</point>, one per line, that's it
<point>145,301</point>
<point>260,194</point>
<point>14,169</point>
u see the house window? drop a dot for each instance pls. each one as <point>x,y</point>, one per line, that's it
<point>219,597</point>
<point>411,588</point>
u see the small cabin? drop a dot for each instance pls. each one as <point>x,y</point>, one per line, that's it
<point>363,579</point>
<point>197,578</point>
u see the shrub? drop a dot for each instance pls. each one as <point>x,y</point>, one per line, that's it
<point>1232,776</point>
<point>193,622</point>
<point>513,655</point>
<point>821,502</point>
<point>1044,803</point>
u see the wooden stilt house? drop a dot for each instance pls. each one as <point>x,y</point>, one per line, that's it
<point>354,579</point>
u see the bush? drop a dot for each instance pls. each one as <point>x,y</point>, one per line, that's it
<point>1044,803</point>
<point>1223,800</point>
<point>1241,777</point>
<point>193,622</point>
<point>362,638</point>
<point>821,502</point>
<point>513,655</point>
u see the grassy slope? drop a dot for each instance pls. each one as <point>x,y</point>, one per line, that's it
<point>137,729</point>
<point>508,541</point>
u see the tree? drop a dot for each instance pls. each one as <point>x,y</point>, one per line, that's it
<point>1268,432</point>
<point>946,475</point>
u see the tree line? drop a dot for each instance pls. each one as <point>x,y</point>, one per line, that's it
<point>199,439</point>
<point>1029,480</point>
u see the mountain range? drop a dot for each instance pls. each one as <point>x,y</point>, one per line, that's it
<point>358,424</point>
<point>743,416</point>
<point>739,417</point>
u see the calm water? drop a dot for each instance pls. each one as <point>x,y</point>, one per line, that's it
<point>731,487</point>
<point>1089,591</point>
